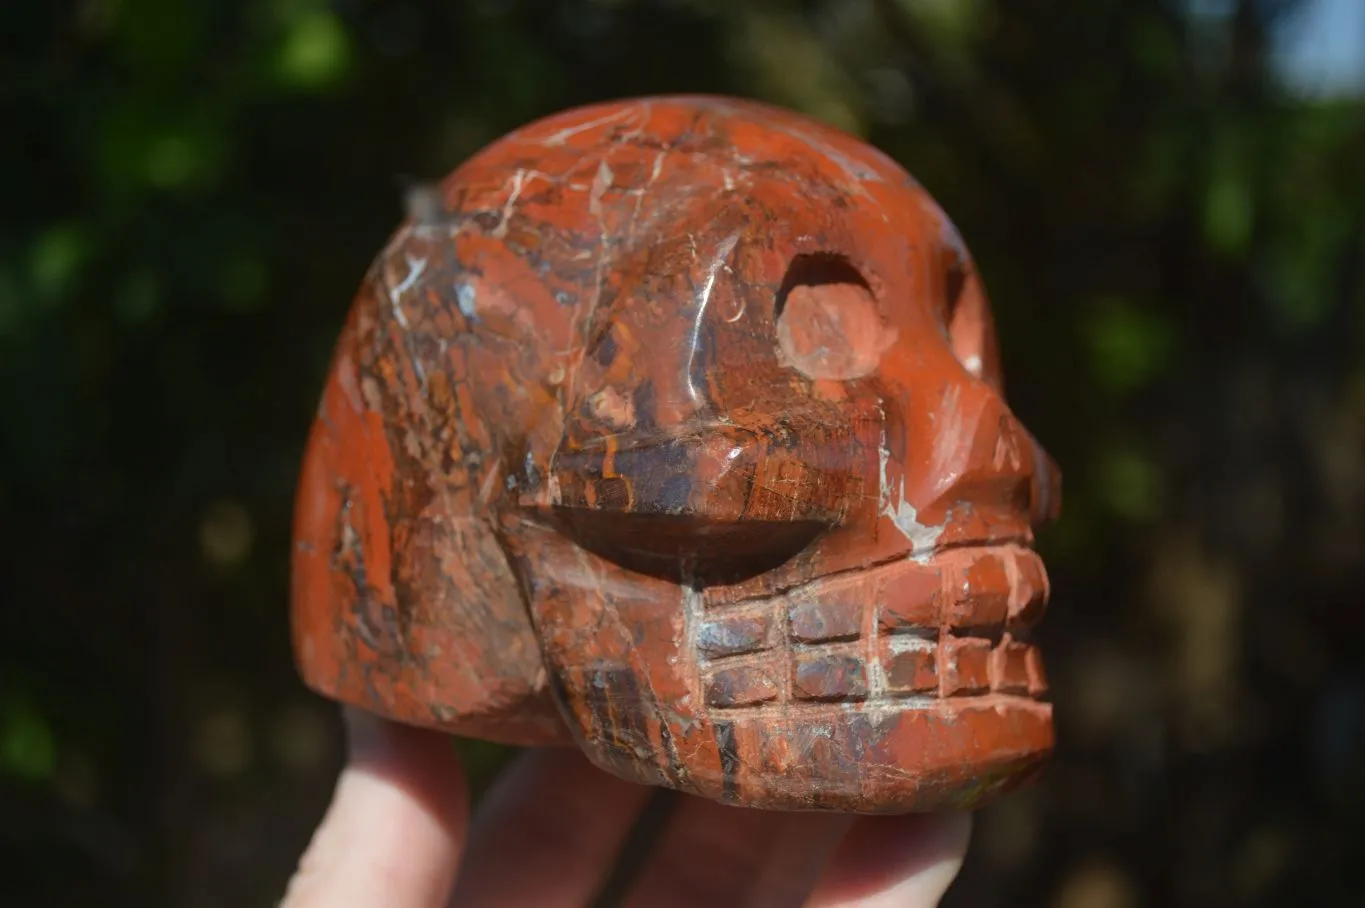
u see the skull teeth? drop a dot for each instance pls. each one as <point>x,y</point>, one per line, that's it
<point>946,629</point>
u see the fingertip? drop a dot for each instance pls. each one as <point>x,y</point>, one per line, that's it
<point>421,763</point>
<point>396,825</point>
<point>547,831</point>
<point>905,861</point>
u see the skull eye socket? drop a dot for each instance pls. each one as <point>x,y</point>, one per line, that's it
<point>971,327</point>
<point>829,325</point>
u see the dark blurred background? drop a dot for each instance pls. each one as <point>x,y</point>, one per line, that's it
<point>1167,200</point>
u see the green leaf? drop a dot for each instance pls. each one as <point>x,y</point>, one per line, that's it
<point>27,747</point>
<point>1128,345</point>
<point>244,282</point>
<point>1130,484</point>
<point>57,259</point>
<point>172,160</point>
<point>315,53</point>
<point>1228,212</point>
<point>139,297</point>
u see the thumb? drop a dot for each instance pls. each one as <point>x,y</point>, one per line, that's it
<point>396,825</point>
<point>904,861</point>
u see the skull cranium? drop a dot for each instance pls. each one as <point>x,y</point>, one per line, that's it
<point>676,432</point>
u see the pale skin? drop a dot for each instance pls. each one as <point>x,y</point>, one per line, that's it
<point>399,833</point>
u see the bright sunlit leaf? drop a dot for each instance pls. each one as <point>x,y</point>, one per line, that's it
<point>316,52</point>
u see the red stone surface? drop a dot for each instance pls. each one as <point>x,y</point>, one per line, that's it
<point>675,432</point>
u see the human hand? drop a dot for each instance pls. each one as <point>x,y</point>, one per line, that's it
<point>398,834</point>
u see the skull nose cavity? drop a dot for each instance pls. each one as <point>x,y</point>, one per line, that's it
<point>828,323</point>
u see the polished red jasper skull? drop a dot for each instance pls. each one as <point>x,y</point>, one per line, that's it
<point>674,430</point>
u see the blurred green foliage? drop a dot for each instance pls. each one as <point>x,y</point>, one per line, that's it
<point>1173,242</point>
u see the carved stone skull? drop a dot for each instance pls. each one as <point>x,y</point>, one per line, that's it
<point>674,431</point>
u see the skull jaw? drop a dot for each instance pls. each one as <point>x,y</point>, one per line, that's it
<point>875,691</point>
<point>901,759</point>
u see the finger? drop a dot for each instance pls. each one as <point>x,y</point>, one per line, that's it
<point>714,854</point>
<point>546,833</point>
<point>393,833</point>
<point>905,861</point>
